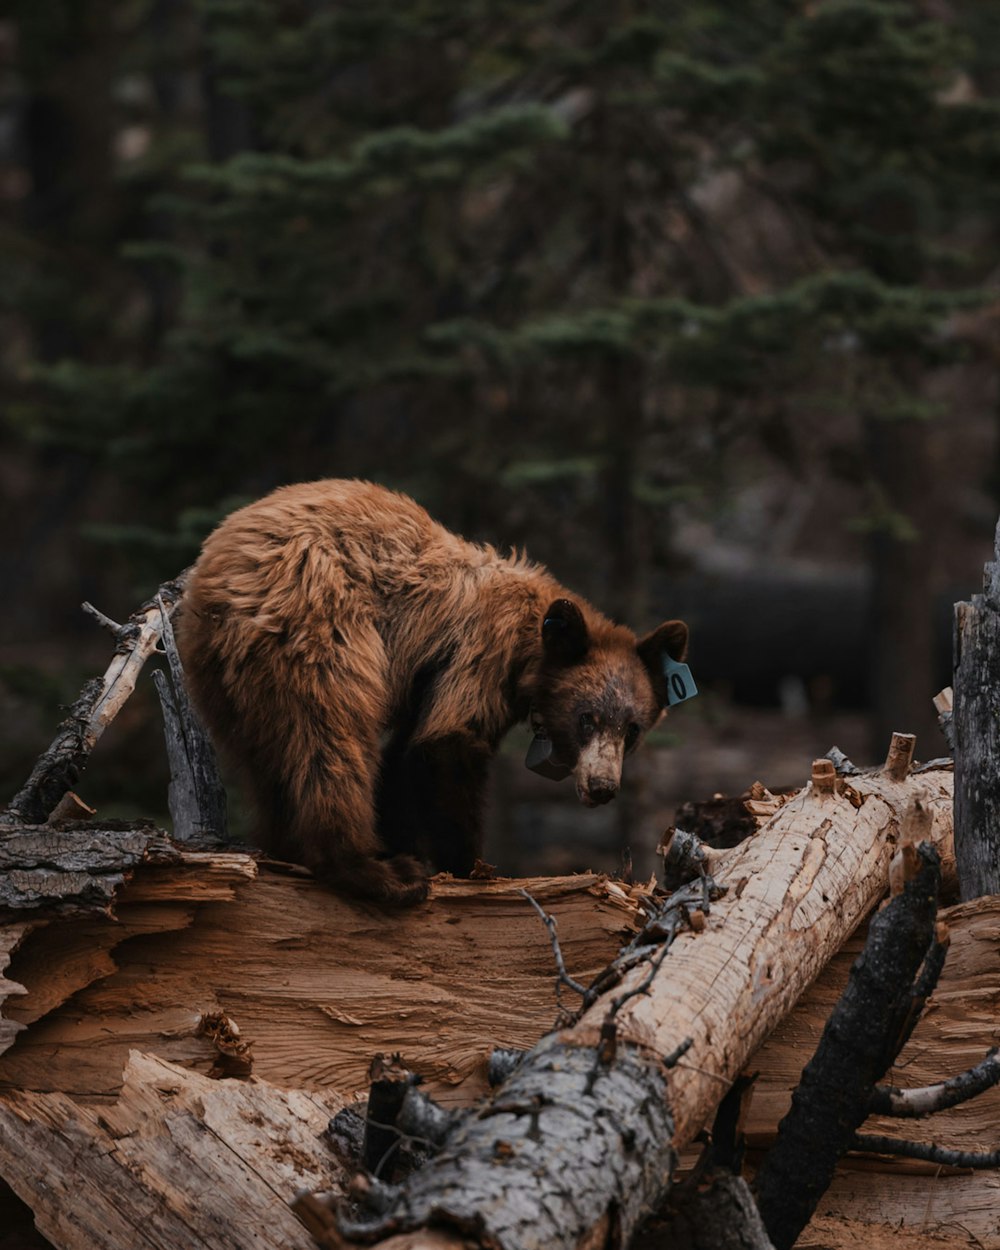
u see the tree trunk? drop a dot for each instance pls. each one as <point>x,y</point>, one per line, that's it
<point>901,609</point>
<point>976,728</point>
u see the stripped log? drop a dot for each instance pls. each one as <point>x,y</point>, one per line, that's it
<point>578,1145</point>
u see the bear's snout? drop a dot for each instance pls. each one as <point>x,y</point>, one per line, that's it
<point>598,770</point>
<point>599,790</point>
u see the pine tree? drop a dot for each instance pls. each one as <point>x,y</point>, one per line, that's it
<point>498,256</point>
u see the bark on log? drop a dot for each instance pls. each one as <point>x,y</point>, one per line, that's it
<point>59,768</point>
<point>976,732</point>
<point>72,868</point>
<point>579,1144</point>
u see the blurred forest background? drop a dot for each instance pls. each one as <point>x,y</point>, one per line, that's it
<point>698,302</point>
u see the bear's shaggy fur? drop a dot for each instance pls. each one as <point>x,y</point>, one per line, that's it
<point>362,664</point>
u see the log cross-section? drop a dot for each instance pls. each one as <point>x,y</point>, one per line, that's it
<point>577,1145</point>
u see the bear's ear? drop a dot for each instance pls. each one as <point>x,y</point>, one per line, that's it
<point>670,638</point>
<point>564,632</point>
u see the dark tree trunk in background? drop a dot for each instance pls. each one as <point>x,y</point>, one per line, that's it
<point>228,121</point>
<point>626,548</point>
<point>902,668</point>
<point>68,137</point>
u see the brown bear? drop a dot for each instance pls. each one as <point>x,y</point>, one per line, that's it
<point>362,664</point>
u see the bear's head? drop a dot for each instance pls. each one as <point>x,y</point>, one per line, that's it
<point>598,691</point>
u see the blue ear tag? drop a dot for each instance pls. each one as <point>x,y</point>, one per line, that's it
<point>680,683</point>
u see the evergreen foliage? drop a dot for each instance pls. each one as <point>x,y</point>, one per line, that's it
<point>493,254</point>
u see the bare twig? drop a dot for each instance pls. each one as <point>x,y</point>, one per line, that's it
<point>563,978</point>
<point>914,1103</point>
<point>104,621</point>
<point>930,1153</point>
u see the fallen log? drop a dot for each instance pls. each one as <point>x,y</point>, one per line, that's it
<point>469,969</point>
<point>319,983</point>
<point>579,1144</point>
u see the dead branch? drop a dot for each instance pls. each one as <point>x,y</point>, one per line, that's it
<point>862,1037</point>
<point>390,1081</point>
<point>926,1100</point>
<point>58,769</point>
<point>872,1144</point>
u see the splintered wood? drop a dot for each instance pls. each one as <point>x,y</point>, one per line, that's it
<point>319,984</point>
<point>178,1161</point>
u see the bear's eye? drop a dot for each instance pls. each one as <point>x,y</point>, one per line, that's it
<point>631,737</point>
<point>587,724</point>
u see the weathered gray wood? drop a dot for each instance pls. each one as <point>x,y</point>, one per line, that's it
<point>58,769</point>
<point>72,868</point>
<point>196,797</point>
<point>976,727</point>
<point>564,1117</point>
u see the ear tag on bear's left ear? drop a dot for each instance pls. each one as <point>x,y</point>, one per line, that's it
<point>539,759</point>
<point>680,683</point>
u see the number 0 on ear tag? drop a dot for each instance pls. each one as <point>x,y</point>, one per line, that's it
<point>680,683</point>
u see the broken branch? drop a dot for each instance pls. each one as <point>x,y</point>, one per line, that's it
<point>915,1103</point>
<point>58,769</point>
<point>861,1038</point>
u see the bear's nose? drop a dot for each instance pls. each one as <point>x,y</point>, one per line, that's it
<point>601,790</point>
